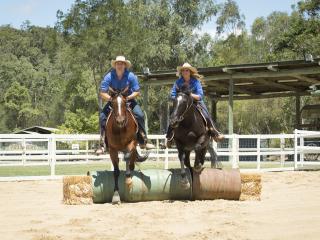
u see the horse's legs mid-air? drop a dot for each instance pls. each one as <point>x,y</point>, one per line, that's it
<point>199,161</point>
<point>130,155</point>
<point>182,157</point>
<point>187,160</point>
<point>116,172</point>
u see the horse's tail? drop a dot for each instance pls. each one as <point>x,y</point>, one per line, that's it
<point>141,158</point>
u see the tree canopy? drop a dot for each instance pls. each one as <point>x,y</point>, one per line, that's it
<point>51,76</point>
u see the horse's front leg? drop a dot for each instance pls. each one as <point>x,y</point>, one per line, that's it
<point>130,157</point>
<point>127,158</point>
<point>184,180</point>
<point>199,161</point>
<point>116,173</point>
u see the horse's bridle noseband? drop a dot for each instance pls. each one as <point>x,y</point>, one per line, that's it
<point>181,118</point>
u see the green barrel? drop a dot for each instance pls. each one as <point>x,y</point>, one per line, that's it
<point>148,185</point>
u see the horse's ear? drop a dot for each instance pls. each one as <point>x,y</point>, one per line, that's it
<point>112,92</point>
<point>124,92</point>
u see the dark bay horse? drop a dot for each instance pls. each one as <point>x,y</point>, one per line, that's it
<point>121,129</point>
<point>190,132</point>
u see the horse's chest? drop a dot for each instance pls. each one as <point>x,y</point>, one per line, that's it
<point>188,137</point>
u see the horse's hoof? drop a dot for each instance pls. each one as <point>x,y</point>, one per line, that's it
<point>185,183</point>
<point>129,182</point>
<point>116,198</point>
<point>197,168</point>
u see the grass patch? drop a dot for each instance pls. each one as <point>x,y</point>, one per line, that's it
<point>82,169</point>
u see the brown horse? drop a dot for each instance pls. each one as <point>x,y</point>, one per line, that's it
<point>121,129</point>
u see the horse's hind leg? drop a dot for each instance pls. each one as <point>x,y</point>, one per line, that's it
<point>116,173</point>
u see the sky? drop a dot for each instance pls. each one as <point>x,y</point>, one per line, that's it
<point>43,12</point>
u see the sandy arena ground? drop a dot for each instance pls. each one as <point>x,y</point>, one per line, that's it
<point>289,209</point>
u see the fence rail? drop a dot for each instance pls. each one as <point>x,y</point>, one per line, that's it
<point>286,151</point>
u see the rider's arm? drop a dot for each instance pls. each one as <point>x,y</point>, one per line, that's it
<point>105,96</point>
<point>133,95</point>
<point>134,86</point>
<point>174,91</point>
<point>195,97</point>
<point>104,87</point>
<point>198,92</point>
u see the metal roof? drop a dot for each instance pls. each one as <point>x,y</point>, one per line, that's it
<point>251,81</point>
<point>37,129</point>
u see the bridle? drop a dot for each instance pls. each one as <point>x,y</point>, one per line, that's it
<point>181,118</point>
<point>114,115</point>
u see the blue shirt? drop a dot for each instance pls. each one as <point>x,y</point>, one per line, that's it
<point>194,84</point>
<point>128,79</point>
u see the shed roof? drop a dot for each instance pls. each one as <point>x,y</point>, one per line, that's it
<point>251,81</point>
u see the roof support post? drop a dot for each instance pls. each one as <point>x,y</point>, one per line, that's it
<point>145,104</point>
<point>230,106</point>
<point>298,111</point>
<point>214,109</point>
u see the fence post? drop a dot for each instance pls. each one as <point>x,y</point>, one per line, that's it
<point>295,149</point>
<point>235,151</point>
<point>301,150</point>
<point>166,160</point>
<point>87,150</point>
<point>259,152</point>
<point>24,149</point>
<point>282,146</point>
<point>53,156</point>
<point>157,150</point>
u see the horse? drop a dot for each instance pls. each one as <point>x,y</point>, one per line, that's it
<point>121,135</point>
<point>190,132</point>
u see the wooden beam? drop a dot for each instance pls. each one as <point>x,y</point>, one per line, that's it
<point>306,79</point>
<point>263,96</point>
<point>278,85</point>
<point>264,74</point>
<point>272,68</point>
<point>236,88</point>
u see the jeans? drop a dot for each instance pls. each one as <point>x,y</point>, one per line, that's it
<point>137,112</point>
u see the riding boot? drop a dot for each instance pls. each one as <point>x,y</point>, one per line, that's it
<point>143,140</point>
<point>169,137</point>
<point>213,131</point>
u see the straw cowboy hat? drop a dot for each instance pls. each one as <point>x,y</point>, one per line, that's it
<point>193,70</point>
<point>120,59</point>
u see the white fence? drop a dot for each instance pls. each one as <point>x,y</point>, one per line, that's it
<point>260,152</point>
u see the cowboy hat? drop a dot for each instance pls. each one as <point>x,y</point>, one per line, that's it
<point>121,59</point>
<point>187,66</point>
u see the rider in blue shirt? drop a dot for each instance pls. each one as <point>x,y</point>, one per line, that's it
<point>118,79</point>
<point>189,75</point>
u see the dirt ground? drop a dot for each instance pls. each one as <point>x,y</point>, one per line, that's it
<point>289,209</point>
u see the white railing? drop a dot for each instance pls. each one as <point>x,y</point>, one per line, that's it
<point>54,149</point>
<point>307,147</point>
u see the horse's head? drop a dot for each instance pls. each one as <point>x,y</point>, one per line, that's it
<point>181,105</point>
<point>118,104</point>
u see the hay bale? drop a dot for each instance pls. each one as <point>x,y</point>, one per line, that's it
<point>250,187</point>
<point>77,190</point>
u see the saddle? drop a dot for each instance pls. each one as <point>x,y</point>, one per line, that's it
<point>200,110</point>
